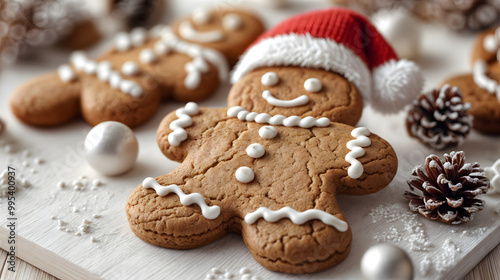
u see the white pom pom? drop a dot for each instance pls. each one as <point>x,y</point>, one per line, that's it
<point>396,84</point>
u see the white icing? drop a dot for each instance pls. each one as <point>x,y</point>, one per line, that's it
<point>244,174</point>
<point>209,212</point>
<point>483,81</point>
<point>90,67</point>
<point>270,79</point>
<point>179,134</point>
<point>201,16</point>
<point>268,132</point>
<point>130,68</point>
<point>147,56</point>
<point>296,102</point>
<point>187,31</point>
<point>296,217</point>
<point>255,150</point>
<point>307,122</point>
<point>194,70</point>
<point>66,74</point>
<point>115,79</point>
<point>78,59</point>
<point>490,43</point>
<point>104,70</point>
<point>131,88</point>
<point>138,36</point>
<point>312,85</point>
<point>161,48</point>
<point>231,22</point>
<point>214,57</point>
<point>123,42</point>
<point>356,146</point>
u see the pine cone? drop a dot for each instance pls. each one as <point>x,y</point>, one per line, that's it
<point>439,118</point>
<point>449,189</point>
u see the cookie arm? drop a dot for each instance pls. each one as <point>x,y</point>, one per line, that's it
<point>47,100</point>
<point>372,163</point>
<point>182,130</point>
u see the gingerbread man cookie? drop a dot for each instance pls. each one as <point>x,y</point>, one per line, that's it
<point>481,88</point>
<point>270,166</point>
<point>127,83</point>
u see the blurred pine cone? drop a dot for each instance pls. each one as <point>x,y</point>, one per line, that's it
<point>449,189</point>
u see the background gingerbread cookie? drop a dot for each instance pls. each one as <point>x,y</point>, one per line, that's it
<point>271,164</point>
<point>481,88</point>
<point>127,83</point>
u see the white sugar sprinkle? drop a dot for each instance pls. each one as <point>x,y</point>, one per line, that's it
<point>425,266</point>
<point>96,216</point>
<point>413,232</point>
<point>447,257</point>
<point>474,233</point>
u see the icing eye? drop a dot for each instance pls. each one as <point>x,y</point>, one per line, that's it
<point>313,85</point>
<point>231,22</point>
<point>201,16</point>
<point>270,79</point>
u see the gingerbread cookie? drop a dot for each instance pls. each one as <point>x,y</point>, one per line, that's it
<point>127,83</point>
<point>481,88</point>
<point>270,165</point>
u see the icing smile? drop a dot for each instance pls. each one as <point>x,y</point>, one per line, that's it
<point>299,101</point>
<point>187,31</point>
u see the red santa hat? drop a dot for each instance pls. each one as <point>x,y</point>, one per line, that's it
<point>340,41</point>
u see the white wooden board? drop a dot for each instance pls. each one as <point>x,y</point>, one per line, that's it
<point>118,254</point>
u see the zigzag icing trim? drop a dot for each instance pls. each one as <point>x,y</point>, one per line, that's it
<point>307,122</point>
<point>209,212</point>
<point>179,134</point>
<point>296,217</point>
<point>356,146</point>
<point>306,51</point>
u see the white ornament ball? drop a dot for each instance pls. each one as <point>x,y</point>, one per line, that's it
<point>401,30</point>
<point>386,261</point>
<point>111,148</point>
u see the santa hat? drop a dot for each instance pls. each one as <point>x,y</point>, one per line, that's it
<point>340,41</point>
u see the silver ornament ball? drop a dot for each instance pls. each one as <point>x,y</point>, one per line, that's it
<point>111,148</point>
<point>386,262</point>
<point>401,30</point>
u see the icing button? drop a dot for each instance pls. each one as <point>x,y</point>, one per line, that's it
<point>255,150</point>
<point>268,132</point>
<point>244,174</point>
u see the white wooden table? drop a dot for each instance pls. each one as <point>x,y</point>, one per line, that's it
<point>487,269</point>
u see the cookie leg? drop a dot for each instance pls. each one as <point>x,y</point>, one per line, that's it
<point>164,221</point>
<point>47,101</point>
<point>286,247</point>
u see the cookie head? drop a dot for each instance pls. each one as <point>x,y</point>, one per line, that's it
<point>296,91</point>
<point>329,40</point>
<point>226,30</point>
